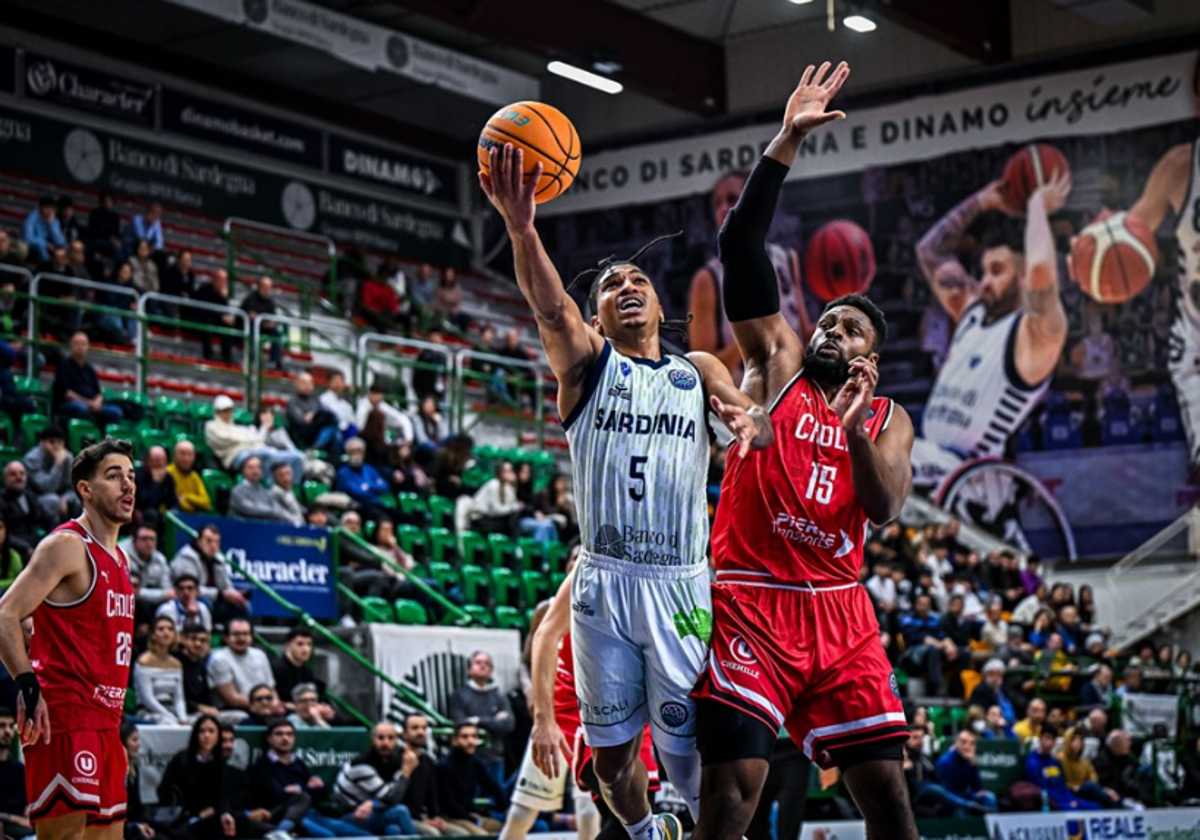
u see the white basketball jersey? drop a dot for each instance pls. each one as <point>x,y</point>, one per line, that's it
<point>1187,232</point>
<point>781,258</point>
<point>639,457</point>
<point>978,399</point>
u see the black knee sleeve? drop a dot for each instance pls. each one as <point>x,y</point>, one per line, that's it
<point>724,733</point>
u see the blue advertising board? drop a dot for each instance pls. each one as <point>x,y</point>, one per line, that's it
<point>296,562</point>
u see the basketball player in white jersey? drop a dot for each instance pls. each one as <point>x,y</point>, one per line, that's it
<point>636,423</point>
<point>1174,186</point>
<point>1009,330</point>
<point>709,330</point>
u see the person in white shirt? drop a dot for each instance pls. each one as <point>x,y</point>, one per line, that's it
<point>334,401</point>
<point>233,444</point>
<point>396,421</point>
<point>186,607</point>
<point>238,667</point>
<point>882,587</point>
<point>995,629</point>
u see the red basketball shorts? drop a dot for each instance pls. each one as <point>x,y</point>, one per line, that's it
<point>803,658</point>
<point>77,772</point>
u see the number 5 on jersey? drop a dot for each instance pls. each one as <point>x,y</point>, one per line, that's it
<point>820,482</point>
<point>637,477</point>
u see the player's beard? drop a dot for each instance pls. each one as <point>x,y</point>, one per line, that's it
<point>828,370</point>
<point>111,511</point>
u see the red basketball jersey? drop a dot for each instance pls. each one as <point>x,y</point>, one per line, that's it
<point>565,701</point>
<point>80,651</point>
<point>788,512</point>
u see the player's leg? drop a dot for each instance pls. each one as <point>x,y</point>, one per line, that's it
<point>878,788</point>
<point>736,750</point>
<point>112,831</point>
<point>587,815</point>
<point>65,827</point>
<point>535,792</point>
<point>1184,364</point>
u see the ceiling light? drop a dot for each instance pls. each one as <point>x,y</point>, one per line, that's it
<point>859,23</point>
<point>800,2</point>
<point>577,74</point>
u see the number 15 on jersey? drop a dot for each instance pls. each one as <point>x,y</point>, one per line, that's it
<point>820,482</point>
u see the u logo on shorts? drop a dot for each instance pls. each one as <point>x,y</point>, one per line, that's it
<point>85,763</point>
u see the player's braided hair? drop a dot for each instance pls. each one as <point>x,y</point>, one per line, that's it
<point>609,264</point>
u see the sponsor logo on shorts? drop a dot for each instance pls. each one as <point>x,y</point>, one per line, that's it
<point>743,658</point>
<point>673,714</point>
<point>893,685</point>
<point>697,622</point>
<point>684,380</point>
<point>604,709</point>
<point>583,607</point>
<point>86,766</point>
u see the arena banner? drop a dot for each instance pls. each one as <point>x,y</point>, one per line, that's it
<point>221,187</point>
<point>296,562</point>
<point>432,661</point>
<point>392,169</point>
<point>8,69</point>
<point>999,761</point>
<point>1008,440</point>
<point>1151,824</point>
<point>1143,714</point>
<point>82,88</point>
<point>965,828</point>
<point>1095,101</point>
<point>323,750</point>
<point>216,122</point>
<point>373,47</point>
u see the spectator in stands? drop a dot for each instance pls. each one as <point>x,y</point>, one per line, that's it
<point>995,724</point>
<point>120,293</point>
<point>158,677</point>
<point>1131,682</point>
<point>77,261</point>
<point>334,401</point>
<point>214,293</point>
<point>104,228</point>
<point>405,474</point>
<point>185,606</point>
<point>68,221</point>
<point>42,230</point>
<point>20,509</point>
<point>261,301</point>
<point>141,549</point>
<point>1030,726</point>
<point>927,795</point>
<point>449,463</point>
<point>421,797</point>
<point>559,504</point>
<point>379,304</point>
<point>1045,770</point>
<point>958,772</point>
<point>1080,773</point>
<point>264,706</point>
<point>396,421</point>
<point>235,669</point>
<point>990,690</point>
<point>76,390</point>
<point>370,787</point>
<point>307,702</point>
<point>1098,691</point>
<point>927,650</point>
<point>284,492</point>
<point>189,486</point>
<point>178,279</point>
<point>361,482</point>
<point>523,394</point>
<point>480,702</point>
<point>251,500</point>
<point>60,263</point>
<point>430,427</point>
<point>193,654</point>
<point>232,444</point>
<point>14,404</point>
<point>447,301</point>
<point>429,373</point>
<point>201,558</point>
<point>423,287</point>
<point>312,425</point>
<point>196,780</point>
<point>1054,666</point>
<point>294,668</point>
<point>147,226</point>
<point>1071,630</point>
<point>12,251</point>
<point>994,633</point>
<point>1116,766</point>
<point>882,588</point>
<point>145,270</point>
<point>14,821</point>
<point>494,507</point>
<point>283,783</point>
<point>11,560</point>
<point>155,487</point>
<point>48,465</point>
<point>462,778</point>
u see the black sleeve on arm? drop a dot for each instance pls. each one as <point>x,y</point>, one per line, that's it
<point>751,289</point>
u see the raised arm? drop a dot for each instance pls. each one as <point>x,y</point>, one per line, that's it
<point>770,347</point>
<point>1043,330</point>
<point>571,345</point>
<point>703,330</point>
<point>749,422</point>
<point>1165,188</point>
<point>549,744</point>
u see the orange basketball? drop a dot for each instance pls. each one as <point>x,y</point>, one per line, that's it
<point>1029,169</point>
<point>1114,257</point>
<point>545,135</point>
<point>839,260</point>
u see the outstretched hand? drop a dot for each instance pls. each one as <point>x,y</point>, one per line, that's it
<point>806,106</point>
<point>1053,194</point>
<point>853,402</point>
<point>749,431</point>
<point>508,188</point>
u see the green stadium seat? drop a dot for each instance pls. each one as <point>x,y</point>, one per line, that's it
<point>219,485</point>
<point>476,584</point>
<point>412,539</point>
<point>377,611</point>
<point>244,417</point>
<point>31,427</point>
<point>556,579</point>
<point>30,386</point>
<point>510,618</point>
<point>9,453</point>
<point>443,545</point>
<point>368,530</point>
<point>410,612</point>
<point>201,413</point>
<point>82,433</point>
<point>414,506</point>
<point>506,586</point>
<point>501,548</point>
<point>313,489</point>
<point>443,575</point>
<point>534,587</point>
<point>7,430</point>
<point>479,613</point>
<point>387,500</point>
<point>556,557</point>
<point>441,511</point>
<point>124,430</point>
<point>166,408</point>
<point>148,437</point>
<point>137,398</point>
<point>474,547</point>
<point>533,554</point>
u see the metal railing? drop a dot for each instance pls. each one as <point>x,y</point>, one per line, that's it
<point>324,294</point>
<point>503,387</point>
<point>401,366</point>
<point>36,313</point>
<point>308,336</point>
<point>182,305</point>
<point>318,629</point>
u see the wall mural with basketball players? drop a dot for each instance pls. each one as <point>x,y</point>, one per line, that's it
<point>1082,446</point>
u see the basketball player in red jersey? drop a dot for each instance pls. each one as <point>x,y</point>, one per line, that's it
<point>76,586</point>
<point>795,639</point>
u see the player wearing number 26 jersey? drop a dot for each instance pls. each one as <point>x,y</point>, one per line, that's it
<point>72,683</point>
